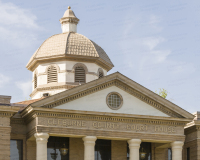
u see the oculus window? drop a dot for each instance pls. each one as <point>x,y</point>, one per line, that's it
<point>16,149</point>
<point>114,100</point>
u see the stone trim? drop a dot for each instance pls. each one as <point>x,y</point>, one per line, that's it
<point>33,64</point>
<point>52,65</point>
<point>101,118</point>
<point>122,86</point>
<point>72,71</point>
<point>65,86</point>
<point>110,134</point>
<point>80,65</point>
<point>6,114</point>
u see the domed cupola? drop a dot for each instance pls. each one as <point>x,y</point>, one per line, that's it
<point>69,21</point>
<point>66,60</point>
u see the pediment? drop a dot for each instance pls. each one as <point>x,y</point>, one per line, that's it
<point>137,99</point>
<point>97,102</point>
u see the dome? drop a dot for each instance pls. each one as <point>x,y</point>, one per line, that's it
<point>70,45</point>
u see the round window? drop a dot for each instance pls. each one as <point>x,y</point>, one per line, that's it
<point>114,100</point>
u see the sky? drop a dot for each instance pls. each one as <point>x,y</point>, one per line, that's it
<point>155,43</point>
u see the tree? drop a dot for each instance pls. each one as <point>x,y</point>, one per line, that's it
<point>163,93</point>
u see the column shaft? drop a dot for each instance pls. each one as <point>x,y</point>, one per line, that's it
<point>41,144</point>
<point>89,143</point>
<point>177,148</point>
<point>134,146</point>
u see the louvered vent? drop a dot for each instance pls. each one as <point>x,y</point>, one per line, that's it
<point>100,74</point>
<point>52,74</point>
<point>80,75</point>
<point>35,81</point>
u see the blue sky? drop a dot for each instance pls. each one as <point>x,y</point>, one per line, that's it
<point>155,43</point>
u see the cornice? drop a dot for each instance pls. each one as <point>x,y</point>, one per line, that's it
<point>6,114</point>
<point>37,61</point>
<point>38,112</point>
<point>194,124</point>
<point>57,86</point>
<point>8,111</point>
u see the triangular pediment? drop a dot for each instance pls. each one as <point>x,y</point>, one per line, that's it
<point>98,102</point>
<point>91,96</point>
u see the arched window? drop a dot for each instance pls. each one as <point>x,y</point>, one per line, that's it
<point>35,80</point>
<point>101,75</point>
<point>52,74</point>
<point>79,74</point>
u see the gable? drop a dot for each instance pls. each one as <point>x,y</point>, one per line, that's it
<point>119,81</point>
<point>97,102</point>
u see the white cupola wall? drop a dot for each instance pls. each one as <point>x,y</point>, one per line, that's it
<point>60,76</point>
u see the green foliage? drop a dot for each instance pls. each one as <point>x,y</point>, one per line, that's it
<point>27,99</point>
<point>163,93</point>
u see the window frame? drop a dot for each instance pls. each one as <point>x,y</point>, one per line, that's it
<point>22,147</point>
<point>35,81</point>
<point>100,70</point>
<point>51,67</point>
<point>107,101</point>
<point>79,66</point>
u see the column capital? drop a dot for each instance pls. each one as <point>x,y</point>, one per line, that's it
<point>89,140</point>
<point>41,136</point>
<point>134,142</point>
<point>177,144</point>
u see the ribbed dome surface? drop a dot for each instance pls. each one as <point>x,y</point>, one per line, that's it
<point>69,44</point>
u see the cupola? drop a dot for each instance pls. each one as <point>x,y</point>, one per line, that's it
<point>69,21</point>
<point>66,60</point>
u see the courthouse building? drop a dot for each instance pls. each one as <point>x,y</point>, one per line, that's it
<point>78,112</point>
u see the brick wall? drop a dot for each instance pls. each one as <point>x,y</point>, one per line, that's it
<point>198,149</point>
<point>5,143</point>
<point>31,149</point>
<point>76,149</point>
<point>159,153</point>
<point>119,150</point>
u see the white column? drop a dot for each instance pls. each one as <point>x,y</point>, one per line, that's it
<point>134,147</point>
<point>177,147</point>
<point>89,143</point>
<point>41,145</point>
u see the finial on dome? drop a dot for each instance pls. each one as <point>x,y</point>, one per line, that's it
<point>69,21</point>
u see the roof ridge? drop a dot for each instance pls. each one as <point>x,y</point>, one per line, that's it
<point>90,42</point>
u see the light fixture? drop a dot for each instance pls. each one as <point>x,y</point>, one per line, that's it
<point>143,154</point>
<point>63,150</point>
